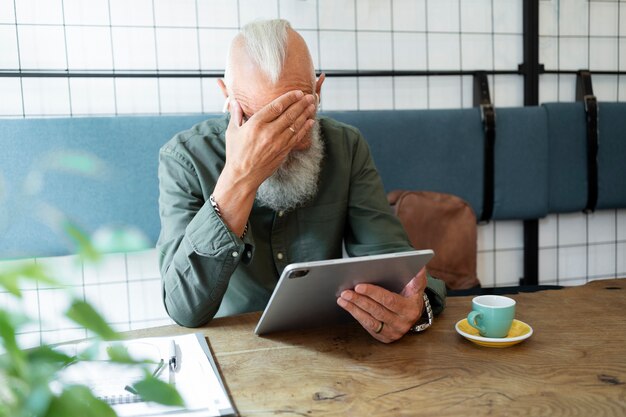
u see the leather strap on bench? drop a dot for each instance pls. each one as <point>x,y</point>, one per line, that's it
<point>488,116</point>
<point>584,93</point>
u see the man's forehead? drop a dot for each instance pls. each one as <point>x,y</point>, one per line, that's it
<point>253,89</point>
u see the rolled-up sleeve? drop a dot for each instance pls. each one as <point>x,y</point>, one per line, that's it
<point>197,252</point>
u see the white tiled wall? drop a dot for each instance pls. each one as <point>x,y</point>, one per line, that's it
<point>125,288</point>
<point>580,34</point>
<point>192,35</point>
<point>575,248</point>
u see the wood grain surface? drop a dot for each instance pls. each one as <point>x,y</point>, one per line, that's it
<point>573,365</point>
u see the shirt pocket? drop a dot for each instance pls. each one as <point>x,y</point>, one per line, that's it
<point>323,213</point>
<point>321,230</point>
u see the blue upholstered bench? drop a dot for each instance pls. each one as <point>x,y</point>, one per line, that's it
<point>567,177</point>
<point>539,165</point>
<point>443,150</point>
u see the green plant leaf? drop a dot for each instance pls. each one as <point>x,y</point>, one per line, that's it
<point>90,352</point>
<point>85,315</point>
<point>78,401</point>
<point>119,238</point>
<point>119,353</point>
<point>48,355</point>
<point>36,272</point>
<point>153,389</point>
<point>10,282</point>
<point>82,241</point>
<point>31,271</point>
<point>11,391</point>
<point>38,400</point>
<point>75,162</point>
<point>16,357</point>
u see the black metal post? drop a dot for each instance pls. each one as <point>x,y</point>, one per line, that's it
<point>219,73</point>
<point>531,68</point>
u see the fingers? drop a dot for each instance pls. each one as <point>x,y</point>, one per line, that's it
<point>302,134</point>
<point>236,112</point>
<point>377,298</point>
<point>287,109</point>
<point>299,129</point>
<point>369,323</point>
<point>303,108</point>
<point>417,285</point>
<point>276,108</point>
<point>370,305</point>
<point>295,120</point>
<point>299,121</point>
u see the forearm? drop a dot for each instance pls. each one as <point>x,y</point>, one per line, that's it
<point>234,196</point>
<point>255,149</point>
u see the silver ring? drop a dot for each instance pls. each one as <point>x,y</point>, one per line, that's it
<point>292,129</point>
<point>380,328</point>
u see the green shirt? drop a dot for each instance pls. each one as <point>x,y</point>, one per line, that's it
<point>207,270</point>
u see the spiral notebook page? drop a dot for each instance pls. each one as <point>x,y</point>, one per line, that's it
<point>196,378</point>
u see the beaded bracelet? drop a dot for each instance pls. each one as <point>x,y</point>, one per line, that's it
<point>219,214</point>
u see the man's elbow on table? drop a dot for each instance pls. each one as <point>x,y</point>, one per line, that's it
<point>183,314</point>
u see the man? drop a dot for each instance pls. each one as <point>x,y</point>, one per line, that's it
<point>244,196</point>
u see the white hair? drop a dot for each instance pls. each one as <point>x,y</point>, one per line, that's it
<point>266,44</point>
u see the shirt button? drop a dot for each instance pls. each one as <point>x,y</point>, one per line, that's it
<point>235,254</point>
<point>280,256</point>
<point>281,213</point>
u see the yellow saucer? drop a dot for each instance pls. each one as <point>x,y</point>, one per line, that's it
<point>519,332</point>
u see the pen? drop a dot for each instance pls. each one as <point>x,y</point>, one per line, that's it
<point>131,390</point>
<point>174,363</point>
<point>159,367</point>
<point>155,374</point>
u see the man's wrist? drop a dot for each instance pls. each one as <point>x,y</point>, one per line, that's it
<point>232,202</point>
<point>426,319</point>
<point>216,207</point>
<point>233,181</point>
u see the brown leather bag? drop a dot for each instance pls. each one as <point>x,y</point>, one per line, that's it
<point>446,224</point>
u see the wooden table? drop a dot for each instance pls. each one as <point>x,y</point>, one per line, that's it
<point>574,364</point>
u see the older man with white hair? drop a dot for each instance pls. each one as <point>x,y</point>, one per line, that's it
<point>271,184</point>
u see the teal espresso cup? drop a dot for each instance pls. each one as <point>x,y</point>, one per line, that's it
<point>492,315</point>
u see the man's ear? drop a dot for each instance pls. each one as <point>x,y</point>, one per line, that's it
<point>318,88</point>
<point>222,86</point>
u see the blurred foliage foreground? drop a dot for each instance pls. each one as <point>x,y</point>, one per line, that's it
<point>29,378</point>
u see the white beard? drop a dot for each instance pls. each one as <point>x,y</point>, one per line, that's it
<point>296,180</point>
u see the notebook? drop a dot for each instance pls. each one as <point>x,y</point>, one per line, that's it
<point>195,376</point>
